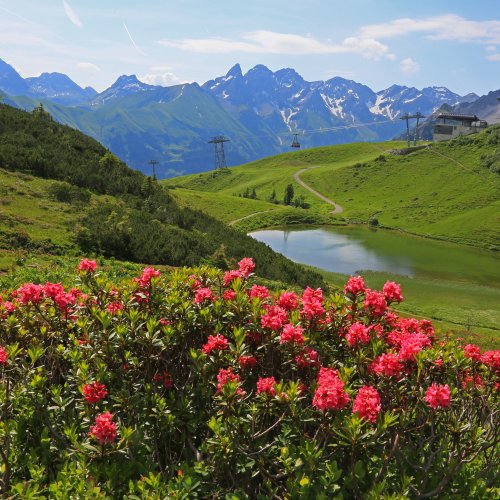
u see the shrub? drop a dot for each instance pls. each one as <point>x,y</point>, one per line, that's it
<point>145,389</point>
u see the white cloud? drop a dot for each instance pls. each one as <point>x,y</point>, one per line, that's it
<point>270,42</point>
<point>493,57</point>
<point>88,66</point>
<point>165,79</point>
<point>491,48</point>
<point>446,27</point>
<point>72,16</point>
<point>409,66</point>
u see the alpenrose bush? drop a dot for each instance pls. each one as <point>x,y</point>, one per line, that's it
<point>206,384</point>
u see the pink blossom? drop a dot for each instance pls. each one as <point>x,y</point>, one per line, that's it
<point>229,295</point>
<point>215,343</point>
<point>3,356</point>
<point>392,292</point>
<point>147,275</point>
<point>114,307</point>
<point>202,295</point>
<point>104,429</point>
<point>275,318</point>
<point>330,394</point>
<point>248,361</point>
<point>226,376</point>
<point>292,334</point>
<point>312,303</point>
<point>491,359</point>
<point>387,364</point>
<point>230,276</point>
<point>164,378</point>
<point>94,392</point>
<point>375,303</point>
<point>355,285</point>
<point>358,334</point>
<point>289,301</point>
<point>30,293</point>
<point>438,396</point>
<point>87,265</point>
<point>246,266</point>
<point>367,403</point>
<point>260,292</point>
<point>473,352</point>
<point>266,386</point>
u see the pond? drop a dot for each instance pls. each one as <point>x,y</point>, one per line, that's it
<point>348,250</point>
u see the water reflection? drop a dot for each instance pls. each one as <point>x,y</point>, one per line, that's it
<point>332,251</point>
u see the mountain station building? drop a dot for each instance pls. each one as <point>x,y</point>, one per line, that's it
<point>451,125</point>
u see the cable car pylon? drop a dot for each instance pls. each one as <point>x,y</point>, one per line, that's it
<point>295,142</point>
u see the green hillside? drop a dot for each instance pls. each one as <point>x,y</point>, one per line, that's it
<point>448,190</point>
<point>63,193</point>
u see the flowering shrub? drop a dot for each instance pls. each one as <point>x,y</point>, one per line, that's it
<point>204,384</point>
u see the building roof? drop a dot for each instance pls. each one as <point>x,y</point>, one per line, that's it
<point>459,117</point>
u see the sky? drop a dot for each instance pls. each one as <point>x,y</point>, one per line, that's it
<point>451,43</point>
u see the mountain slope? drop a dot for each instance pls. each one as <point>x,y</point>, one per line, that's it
<point>111,209</point>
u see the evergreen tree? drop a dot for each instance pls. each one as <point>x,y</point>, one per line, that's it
<point>288,197</point>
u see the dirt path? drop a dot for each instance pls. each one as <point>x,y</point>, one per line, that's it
<point>337,208</point>
<point>233,222</point>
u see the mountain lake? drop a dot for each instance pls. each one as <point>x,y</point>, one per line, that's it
<point>349,250</point>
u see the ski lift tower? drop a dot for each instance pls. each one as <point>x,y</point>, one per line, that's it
<point>219,157</point>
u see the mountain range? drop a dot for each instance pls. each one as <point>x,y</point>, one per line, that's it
<point>258,111</point>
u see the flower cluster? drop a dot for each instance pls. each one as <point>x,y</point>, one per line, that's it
<point>266,386</point>
<point>354,285</point>
<point>215,343</point>
<point>367,403</point>
<point>86,265</point>
<point>225,376</point>
<point>330,393</point>
<point>3,356</point>
<point>163,377</point>
<point>104,429</point>
<point>312,301</point>
<point>358,334</point>
<point>94,392</point>
<point>292,334</point>
<point>438,396</point>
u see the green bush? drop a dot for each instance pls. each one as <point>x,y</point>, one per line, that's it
<point>206,385</point>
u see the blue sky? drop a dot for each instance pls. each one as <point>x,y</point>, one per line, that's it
<point>454,43</point>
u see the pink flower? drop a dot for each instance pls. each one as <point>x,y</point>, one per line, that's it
<point>94,392</point>
<point>164,378</point>
<point>248,361</point>
<point>246,266</point>
<point>226,376</point>
<point>147,275</point>
<point>30,293</point>
<point>355,285</point>
<point>266,386</point>
<point>215,343</point>
<point>308,358</point>
<point>491,359</point>
<point>392,292</point>
<point>387,364</point>
<point>114,307</point>
<point>260,292</point>
<point>275,318</point>
<point>87,265</point>
<point>473,352</point>
<point>230,276</point>
<point>358,334</point>
<point>312,302</point>
<point>471,380</point>
<point>289,301</point>
<point>202,295</point>
<point>3,356</point>
<point>292,334</point>
<point>52,290</point>
<point>367,403</point>
<point>330,394</point>
<point>412,344</point>
<point>104,429</point>
<point>229,295</point>
<point>438,396</point>
<point>375,303</point>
